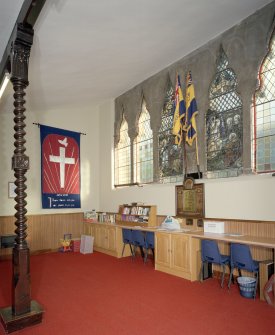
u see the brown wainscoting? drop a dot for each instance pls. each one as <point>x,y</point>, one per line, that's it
<point>251,228</point>
<point>44,231</point>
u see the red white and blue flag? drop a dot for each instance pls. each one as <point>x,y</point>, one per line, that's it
<point>192,111</point>
<point>60,168</point>
<point>179,113</point>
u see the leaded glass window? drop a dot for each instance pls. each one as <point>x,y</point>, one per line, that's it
<point>170,155</point>
<point>123,156</point>
<point>143,149</point>
<point>263,106</point>
<point>224,134</point>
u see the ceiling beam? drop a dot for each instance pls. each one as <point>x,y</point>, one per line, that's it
<point>28,15</point>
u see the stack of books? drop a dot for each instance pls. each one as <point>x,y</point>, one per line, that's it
<point>90,216</point>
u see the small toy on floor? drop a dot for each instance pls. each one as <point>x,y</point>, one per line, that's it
<point>66,243</point>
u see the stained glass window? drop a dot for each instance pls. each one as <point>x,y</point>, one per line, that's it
<point>143,149</point>
<point>263,107</point>
<point>224,124</point>
<point>170,155</point>
<point>123,156</point>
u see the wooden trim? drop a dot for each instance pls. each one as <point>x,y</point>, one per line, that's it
<point>237,220</point>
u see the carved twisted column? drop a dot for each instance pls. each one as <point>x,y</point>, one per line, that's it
<point>21,301</point>
<point>23,311</point>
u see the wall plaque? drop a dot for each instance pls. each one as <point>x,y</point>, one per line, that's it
<point>190,199</point>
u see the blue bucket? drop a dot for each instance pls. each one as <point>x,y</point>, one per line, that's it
<point>247,286</point>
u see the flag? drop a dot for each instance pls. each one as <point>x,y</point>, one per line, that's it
<point>60,168</point>
<point>179,113</point>
<point>192,111</point>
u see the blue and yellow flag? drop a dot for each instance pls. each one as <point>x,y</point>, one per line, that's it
<point>192,111</point>
<point>179,113</point>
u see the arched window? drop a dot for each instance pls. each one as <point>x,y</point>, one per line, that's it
<point>123,156</point>
<point>263,107</point>
<point>143,149</point>
<point>170,155</point>
<point>224,135</point>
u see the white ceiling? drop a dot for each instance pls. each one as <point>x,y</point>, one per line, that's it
<point>88,51</point>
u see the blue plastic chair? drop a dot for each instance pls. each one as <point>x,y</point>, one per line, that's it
<point>241,259</point>
<point>210,253</point>
<point>127,239</point>
<point>138,240</point>
<point>149,244</point>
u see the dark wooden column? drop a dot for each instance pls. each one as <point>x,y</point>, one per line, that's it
<point>23,311</point>
<point>20,54</point>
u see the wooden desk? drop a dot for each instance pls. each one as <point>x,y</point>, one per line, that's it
<point>264,242</point>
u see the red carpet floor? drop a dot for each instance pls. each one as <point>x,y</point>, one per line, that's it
<point>96,294</point>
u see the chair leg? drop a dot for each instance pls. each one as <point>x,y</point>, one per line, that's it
<point>201,272</point>
<point>145,256</point>
<point>230,277</point>
<point>223,273</point>
<point>131,249</point>
<point>256,285</point>
<point>123,250</point>
<point>134,251</point>
<point>141,251</point>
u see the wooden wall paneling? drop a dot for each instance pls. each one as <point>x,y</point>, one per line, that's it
<point>7,225</point>
<point>44,230</point>
<point>69,224</point>
<point>254,228</point>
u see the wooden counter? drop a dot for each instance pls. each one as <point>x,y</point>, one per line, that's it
<point>263,242</point>
<point>266,242</point>
<point>173,249</point>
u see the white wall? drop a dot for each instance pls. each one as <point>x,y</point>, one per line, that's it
<point>84,120</point>
<point>249,198</point>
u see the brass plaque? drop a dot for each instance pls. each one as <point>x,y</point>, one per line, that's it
<point>190,201</point>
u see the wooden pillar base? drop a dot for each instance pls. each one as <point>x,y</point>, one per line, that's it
<point>12,323</point>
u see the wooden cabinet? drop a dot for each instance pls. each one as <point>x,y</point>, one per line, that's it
<point>172,254</point>
<point>107,238</point>
<point>137,215</point>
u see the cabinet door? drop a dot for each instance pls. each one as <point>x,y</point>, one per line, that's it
<point>180,253</point>
<point>99,236</point>
<point>163,249</point>
<point>111,233</point>
<point>105,237</point>
<point>92,230</point>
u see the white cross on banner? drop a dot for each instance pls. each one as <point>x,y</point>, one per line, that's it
<point>60,168</point>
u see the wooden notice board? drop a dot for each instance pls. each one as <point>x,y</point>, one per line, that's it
<point>190,200</point>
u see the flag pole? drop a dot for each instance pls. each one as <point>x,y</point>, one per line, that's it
<point>184,155</point>
<point>183,138</point>
<point>197,155</point>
